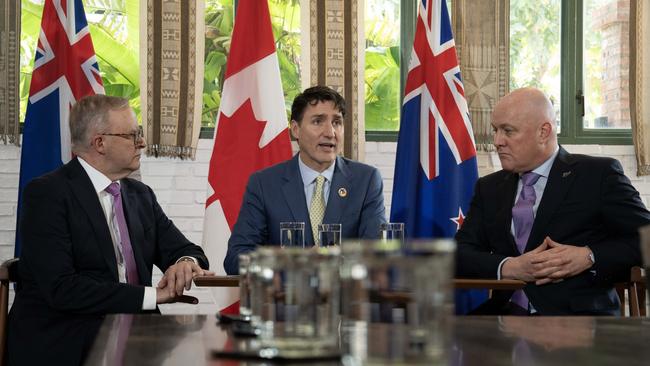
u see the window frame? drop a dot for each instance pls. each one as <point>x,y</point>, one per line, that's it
<point>572,112</point>
<point>571,74</point>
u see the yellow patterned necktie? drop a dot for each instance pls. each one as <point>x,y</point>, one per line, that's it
<point>317,207</point>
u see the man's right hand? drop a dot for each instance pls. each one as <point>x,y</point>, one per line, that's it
<point>163,297</point>
<point>522,267</point>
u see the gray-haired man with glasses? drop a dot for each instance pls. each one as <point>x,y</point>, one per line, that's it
<point>90,239</point>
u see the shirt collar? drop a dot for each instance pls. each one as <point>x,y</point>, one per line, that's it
<point>97,178</point>
<point>545,169</point>
<point>308,174</point>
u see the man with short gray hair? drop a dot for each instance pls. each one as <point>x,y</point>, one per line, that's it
<point>90,239</point>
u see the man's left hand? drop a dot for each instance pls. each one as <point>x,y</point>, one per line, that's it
<point>560,261</point>
<point>179,276</point>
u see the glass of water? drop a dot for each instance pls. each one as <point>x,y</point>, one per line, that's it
<point>295,299</point>
<point>244,283</point>
<point>329,235</point>
<point>392,231</point>
<point>292,234</point>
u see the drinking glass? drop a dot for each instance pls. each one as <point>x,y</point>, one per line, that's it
<point>329,235</point>
<point>295,297</point>
<point>292,234</point>
<point>391,231</point>
<point>406,284</point>
<point>244,284</point>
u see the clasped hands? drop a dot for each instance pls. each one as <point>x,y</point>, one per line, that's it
<point>549,262</point>
<point>178,278</point>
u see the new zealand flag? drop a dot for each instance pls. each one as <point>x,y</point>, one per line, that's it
<point>435,167</point>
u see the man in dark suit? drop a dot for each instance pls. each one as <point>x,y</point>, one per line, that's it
<point>90,239</point>
<point>350,192</point>
<point>564,223</point>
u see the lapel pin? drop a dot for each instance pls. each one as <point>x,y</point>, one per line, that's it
<point>566,174</point>
<point>343,192</point>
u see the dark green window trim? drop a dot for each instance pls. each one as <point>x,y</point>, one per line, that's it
<point>571,118</point>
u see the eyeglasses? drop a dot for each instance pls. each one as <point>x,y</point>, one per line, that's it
<point>137,137</point>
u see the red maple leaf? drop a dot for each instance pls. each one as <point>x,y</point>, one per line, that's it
<point>236,155</point>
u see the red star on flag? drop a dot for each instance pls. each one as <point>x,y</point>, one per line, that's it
<point>458,220</point>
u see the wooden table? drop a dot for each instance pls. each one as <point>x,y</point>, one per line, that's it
<point>469,340</point>
<point>461,283</point>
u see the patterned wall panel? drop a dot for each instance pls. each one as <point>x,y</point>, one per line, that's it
<point>9,71</point>
<point>481,30</point>
<point>171,87</point>
<point>336,60</point>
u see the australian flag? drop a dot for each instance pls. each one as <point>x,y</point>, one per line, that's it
<point>435,167</point>
<point>65,70</point>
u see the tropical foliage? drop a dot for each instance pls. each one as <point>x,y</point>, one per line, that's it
<point>219,19</point>
<point>382,69</point>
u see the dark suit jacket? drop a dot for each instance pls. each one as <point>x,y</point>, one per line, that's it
<point>277,194</point>
<point>68,268</point>
<point>587,201</point>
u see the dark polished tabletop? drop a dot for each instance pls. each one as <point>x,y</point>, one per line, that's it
<point>469,340</point>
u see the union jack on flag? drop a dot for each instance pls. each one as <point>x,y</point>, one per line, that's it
<point>65,70</point>
<point>435,165</point>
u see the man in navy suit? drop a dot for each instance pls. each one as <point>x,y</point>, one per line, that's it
<point>288,192</point>
<point>564,223</point>
<point>91,238</point>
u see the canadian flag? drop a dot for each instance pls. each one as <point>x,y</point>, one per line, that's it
<point>251,130</point>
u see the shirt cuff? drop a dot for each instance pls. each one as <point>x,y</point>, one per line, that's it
<point>149,300</point>
<point>187,257</point>
<point>500,265</point>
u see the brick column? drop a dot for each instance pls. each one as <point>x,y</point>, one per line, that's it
<point>612,21</point>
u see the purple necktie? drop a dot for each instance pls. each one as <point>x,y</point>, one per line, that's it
<point>125,241</point>
<point>523,218</point>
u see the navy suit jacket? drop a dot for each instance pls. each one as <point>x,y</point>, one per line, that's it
<point>277,194</point>
<point>68,271</point>
<point>588,201</point>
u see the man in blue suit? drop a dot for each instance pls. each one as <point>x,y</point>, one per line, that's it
<point>293,191</point>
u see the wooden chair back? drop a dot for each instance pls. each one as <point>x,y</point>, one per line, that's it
<point>8,274</point>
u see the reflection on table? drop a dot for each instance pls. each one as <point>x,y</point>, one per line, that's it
<point>461,283</point>
<point>192,340</point>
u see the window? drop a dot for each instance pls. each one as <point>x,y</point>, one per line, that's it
<point>575,50</point>
<point>219,21</point>
<point>578,52</point>
<point>382,69</point>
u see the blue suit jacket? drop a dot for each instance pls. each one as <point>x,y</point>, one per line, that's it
<point>277,194</point>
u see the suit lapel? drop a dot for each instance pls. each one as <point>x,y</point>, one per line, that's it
<point>136,233</point>
<point>336,202</point>
<point>294,193</point>
<point>506,191</point>
<point>83,190</point>
<point>559,181</point>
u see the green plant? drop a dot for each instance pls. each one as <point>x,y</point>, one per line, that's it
<point>382,68</point>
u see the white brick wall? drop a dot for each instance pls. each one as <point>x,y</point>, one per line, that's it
<point>180,185</point>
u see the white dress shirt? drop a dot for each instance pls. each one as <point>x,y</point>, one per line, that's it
<point>100,183</point>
